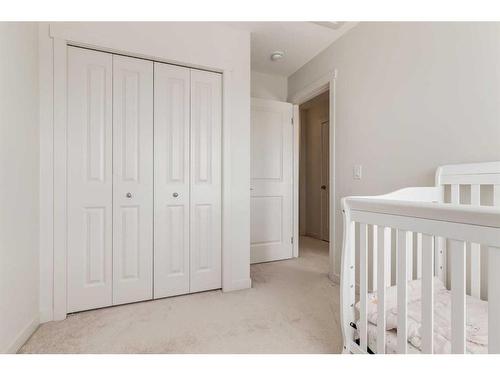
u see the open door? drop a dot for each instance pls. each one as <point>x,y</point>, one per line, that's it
<point>271,181</point>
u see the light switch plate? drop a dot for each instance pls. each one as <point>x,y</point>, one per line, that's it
<point>356,172</point>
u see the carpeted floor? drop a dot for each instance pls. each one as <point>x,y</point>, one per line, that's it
<point>292,308</point>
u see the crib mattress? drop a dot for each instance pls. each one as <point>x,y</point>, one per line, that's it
<point>391,341</point>
<point>476,320</point>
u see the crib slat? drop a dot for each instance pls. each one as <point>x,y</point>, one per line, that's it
<point>475,249</point>
<point>348,282</point>
<point>475,195</point>
<point>352,262</point>
<point>457,254</point>
<point>409,256</point>
<point>440,256</point>
<point>419,255</point>
<point>455,199</point>
<point>455,194</point>
<point>388,256</point>
<point>384,243</point>
<point>493,300</point>
<point>402,334</point>
<point>363,285</point>
<point>374,257</point>
<point>427,294</point>
<point>494,289</point>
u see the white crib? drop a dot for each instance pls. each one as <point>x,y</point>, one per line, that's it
<point>445,232</point>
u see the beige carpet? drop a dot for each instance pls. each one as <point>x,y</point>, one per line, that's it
<point>292,308</point>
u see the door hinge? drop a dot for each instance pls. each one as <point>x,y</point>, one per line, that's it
<point>291,240</point>
<point>292,120</point>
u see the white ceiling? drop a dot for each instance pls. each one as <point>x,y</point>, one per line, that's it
<point>300,41</point>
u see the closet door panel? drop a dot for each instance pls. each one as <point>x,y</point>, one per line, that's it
<point>205,231</point>
<point>132,179</point>
<point>171,235</point>
<point>89,184</point>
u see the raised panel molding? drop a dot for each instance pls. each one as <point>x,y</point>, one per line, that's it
<point>266,144</point>
<point>202,119</point>
<point>130,123</point>
<point>201,249</point>
<point>175,130</point>
<point>175,234</point>
<point>94,245</point>
<point>266,218</point>
<point>130,243</point>
<point>96,123</point>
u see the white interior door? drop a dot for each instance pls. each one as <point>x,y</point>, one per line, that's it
<point>172,139</point>
<point>89,183</point>
<point>271,180</point>
<point>132,179</point>
<point>325,178</point>
<point>206,224</point>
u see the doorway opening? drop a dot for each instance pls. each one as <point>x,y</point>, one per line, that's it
<point>314,171</point>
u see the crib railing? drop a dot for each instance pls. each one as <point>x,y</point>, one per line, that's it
<point>433,224</point>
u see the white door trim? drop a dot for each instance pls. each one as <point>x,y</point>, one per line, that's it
<point>60,179</point>
<point>46,90</point>
<point>295,179</point>
<point>321,85</point>
<point>58,170</point>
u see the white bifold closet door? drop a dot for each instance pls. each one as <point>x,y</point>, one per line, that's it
<point>187,236</point>
<point>132,179</point>
<point>171,118</point>
<point>206,215</point>
<point>110,179</point>
<point>90,179</point>
<point>144,180</point>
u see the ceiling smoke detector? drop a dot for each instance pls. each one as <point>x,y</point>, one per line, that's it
<point>277,55</point>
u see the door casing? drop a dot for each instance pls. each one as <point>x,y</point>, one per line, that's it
<point>323,84</point>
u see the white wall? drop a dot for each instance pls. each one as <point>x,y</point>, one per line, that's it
<point>199,45</point>
<point>19,165</point>
<point>268,86</point>
<point>409,97</point>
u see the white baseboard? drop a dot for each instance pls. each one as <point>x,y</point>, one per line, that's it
<point>239,285</point>
<point>23,336</point>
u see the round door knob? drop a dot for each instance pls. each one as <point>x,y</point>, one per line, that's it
<point>175,195</point>
<point>129,195</point>
<point>323,187</point>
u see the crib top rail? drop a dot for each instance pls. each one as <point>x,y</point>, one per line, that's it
<point>472,173</point>
<point>488,216</point>
<point>478,224</point>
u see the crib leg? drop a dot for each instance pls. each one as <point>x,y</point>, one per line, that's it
<point>494,300</point>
